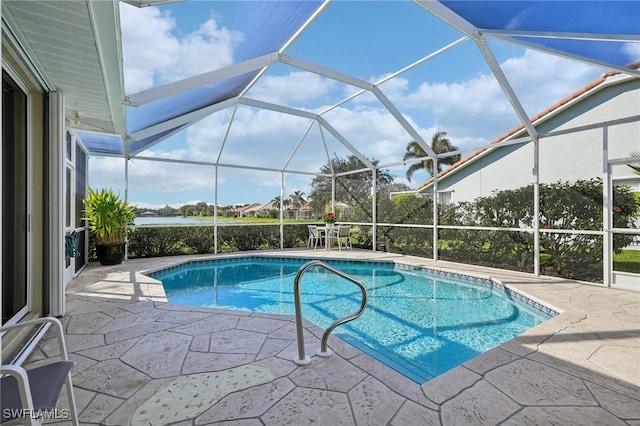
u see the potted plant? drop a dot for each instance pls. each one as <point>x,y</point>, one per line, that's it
<point>108,218</point>
<point>329,219</point>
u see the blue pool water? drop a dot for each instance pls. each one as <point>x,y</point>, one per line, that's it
<point>419,322</point>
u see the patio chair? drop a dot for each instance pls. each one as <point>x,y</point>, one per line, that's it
<point>315,236</point>
<point>30,396</point>
<point>343,236</point>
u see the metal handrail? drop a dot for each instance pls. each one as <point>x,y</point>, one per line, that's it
<point>302,359</point>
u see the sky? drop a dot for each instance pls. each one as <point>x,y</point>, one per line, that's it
<point>454,92</point>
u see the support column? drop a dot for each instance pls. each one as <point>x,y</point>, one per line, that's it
<point>374,217</point>
<point>126,198</point>
<point>215,210</point>
<point>536,207</point>
<point>333,194</point>
<point>607,213</point>
<point>126,179</point>
<point>56,221</point>
<point>282,210</point>
<point>435,207</point>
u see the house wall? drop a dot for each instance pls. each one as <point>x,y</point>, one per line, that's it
<point>489,172</point>
<point>562,158</point>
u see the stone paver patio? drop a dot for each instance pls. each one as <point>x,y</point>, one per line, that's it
<point>141,361</point>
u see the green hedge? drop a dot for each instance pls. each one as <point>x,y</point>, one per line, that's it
<point>563,205</point>
<point>178,240</point>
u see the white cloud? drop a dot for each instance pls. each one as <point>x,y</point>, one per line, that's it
<point>541,79</point>
<point>632,50</point>
<point>258,138</point>
<point>208,48</point>
<point>475,111</point>
<point>516,22</point>
<point>374,132</point>
<point>395,88</point>
<point>153,54</point>
<point>294,87</point>
<point>470,111</point>
<point>148,175</point>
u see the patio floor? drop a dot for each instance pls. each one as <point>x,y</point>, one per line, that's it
<point>141,361</point>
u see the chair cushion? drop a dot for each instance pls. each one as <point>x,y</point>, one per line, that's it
<point>45,382</point>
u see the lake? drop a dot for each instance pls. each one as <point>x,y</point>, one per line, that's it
<point>180,220</point>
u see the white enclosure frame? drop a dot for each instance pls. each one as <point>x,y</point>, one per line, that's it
<point>263,63</point>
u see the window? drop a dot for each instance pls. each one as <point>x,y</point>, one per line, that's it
<point>445,197</point>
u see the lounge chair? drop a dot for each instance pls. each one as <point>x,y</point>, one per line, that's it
<point>30,396</point>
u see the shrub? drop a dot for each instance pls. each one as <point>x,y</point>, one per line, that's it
<point>563,205</point>
<point>172,241</point>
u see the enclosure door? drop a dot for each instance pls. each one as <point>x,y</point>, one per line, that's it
<point>69,266</point>
<point>75,191</point>
<point>15,206</point>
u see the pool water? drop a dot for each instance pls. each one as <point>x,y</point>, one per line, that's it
<point>419,322</point>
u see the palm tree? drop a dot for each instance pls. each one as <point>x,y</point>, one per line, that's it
<point>297,200</point>
<point>439,144</point>
<point>276,202</point>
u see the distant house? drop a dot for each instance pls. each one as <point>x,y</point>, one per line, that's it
<point>566,157</point>
<point>247,210</point>
<point>306,212</point>
<point>342,210</point>
<point>251,210</point>
<point>271,209</point>
<point>266,210</point>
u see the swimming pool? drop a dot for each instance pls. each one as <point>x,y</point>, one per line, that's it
<point>418,321</point>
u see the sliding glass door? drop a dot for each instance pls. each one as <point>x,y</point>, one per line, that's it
<point>15,196</point>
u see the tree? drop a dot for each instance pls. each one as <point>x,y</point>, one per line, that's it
<point>354,190</point>
<point>187,210</point>
<point>439,144</point>
<point>276,202</point>
<point>297,200</point>
<point>167,211</point>
<point>201,208</point>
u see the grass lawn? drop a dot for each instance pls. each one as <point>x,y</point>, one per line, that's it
<point>627,261</point>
